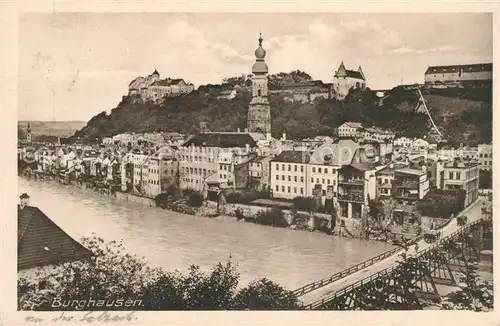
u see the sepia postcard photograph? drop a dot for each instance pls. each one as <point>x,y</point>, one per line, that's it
<point>174,160</point>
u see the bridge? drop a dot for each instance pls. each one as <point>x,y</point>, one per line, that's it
<point>339,291</point>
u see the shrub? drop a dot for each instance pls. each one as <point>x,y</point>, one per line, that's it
<point>442,203</point>
<point>307,204</point>
<point>194,197</point>
<point>114,274</point>
<point>273,217</point>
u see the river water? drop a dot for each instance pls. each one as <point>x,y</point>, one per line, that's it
<point>176,241</point>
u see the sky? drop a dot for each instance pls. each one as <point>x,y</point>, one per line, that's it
<point>73,66</point>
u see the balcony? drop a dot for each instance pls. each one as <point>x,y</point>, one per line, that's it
<point>406,195</point>
<point>352,182</point>
<point>407,184</point>
<point>352,197</point>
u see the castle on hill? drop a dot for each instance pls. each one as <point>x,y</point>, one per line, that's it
<point>152,88</point>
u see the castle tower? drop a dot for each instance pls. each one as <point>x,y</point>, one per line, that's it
<point>29,136</point>
<point>259,111</point>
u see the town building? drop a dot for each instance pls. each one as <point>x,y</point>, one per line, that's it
<point>344,80</point>
<point>459,75</point>
<point>163,170</point>
<point>462,174</point>
<point>289,174</point>
<point>41,243</point>
<point>259,172</point>
<point>485,156</point>
<point>259,111</point>
<point>385,179</point>
<point>350,129</point>
<point>410,185</point>
<point>216,158</point>
<point>356,185</point>
<point>152,88</point>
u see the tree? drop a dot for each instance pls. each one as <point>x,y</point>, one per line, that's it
<point>113,274</point>
<point>265,295</point>
<point>474,294</point>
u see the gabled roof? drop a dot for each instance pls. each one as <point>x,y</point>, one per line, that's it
<point>354,74</point>
<point>301,157</point>
<point>457,68</point>
<point>41,242</point>
<point>362,166</point>
<point>410,171</point>
<point>222,139</point>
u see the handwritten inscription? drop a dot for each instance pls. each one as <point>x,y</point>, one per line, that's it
<point>89,317</point>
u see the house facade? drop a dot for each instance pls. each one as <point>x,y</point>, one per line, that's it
<point>344,80</point>
<point>459,75</point>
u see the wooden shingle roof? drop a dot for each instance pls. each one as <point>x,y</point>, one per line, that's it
<point>41,242</point>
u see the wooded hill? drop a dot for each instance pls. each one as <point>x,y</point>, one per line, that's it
<point>465,115</point>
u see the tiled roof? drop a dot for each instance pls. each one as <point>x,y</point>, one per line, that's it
<point>410,171</point>
<point>226,140</point>
<point>456,68</point>
<point>354,74</point>
<point>41,242</point>
<point>363,166</point>
<point>302,157</point>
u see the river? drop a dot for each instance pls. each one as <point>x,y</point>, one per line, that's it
<point>176,241</point>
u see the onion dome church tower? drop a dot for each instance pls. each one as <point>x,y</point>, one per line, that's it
<point>29,135</point>
<point>259,111</point>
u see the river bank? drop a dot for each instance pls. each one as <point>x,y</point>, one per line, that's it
<point>300,221</point>
<point>175,241</point>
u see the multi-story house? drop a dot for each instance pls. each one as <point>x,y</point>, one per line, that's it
<point>403,142</point>
<point>463,175</point>
<point>217,157</point>
<point>410,185</point>
<point>289,174</point>
<point>356,185</point>
<point>163,168</point>
<point>350,129</point>
<point>385,179</point>
<point>485,156</point>
<point>259,172</point>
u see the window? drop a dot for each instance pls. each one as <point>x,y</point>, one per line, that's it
<point>319,170</point>
<point>323,181</point>
<point>301,168</point>
<point>458,176</point>
<point>289,189</point>
<point>295,178</point>
<point>277,188</point>
<point>314,169</point>
<point>301,179</point>
<point>301,191</point>
<point>289,178</point>
<point>283,167</point>
<point>312,180</point>
<point>317,180</point>
<point>326,170</point>
<point>450,176</point>
<point>283,178</point>
<point>323,193</point>
<point>277,177</point>
<point>294,190</point>
<point>258,92</point>
<point>328,181</point>
<point>295,168</point>
<point>282,188</point>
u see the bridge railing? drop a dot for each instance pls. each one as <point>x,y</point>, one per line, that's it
<point>387,271</point>
<point>337,276</point>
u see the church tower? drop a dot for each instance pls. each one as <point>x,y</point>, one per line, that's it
<point>29,136</point>
<point>259,111</point>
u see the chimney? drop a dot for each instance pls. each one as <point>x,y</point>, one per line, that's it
<point>246,129</point>
<point>238,130</point>
<point>25,200</point>
<point>283,137</point>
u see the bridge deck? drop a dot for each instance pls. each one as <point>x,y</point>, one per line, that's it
<point>473,213</point>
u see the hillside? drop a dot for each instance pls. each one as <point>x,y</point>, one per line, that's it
<point>52,128</point>
<point>462,119</point>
